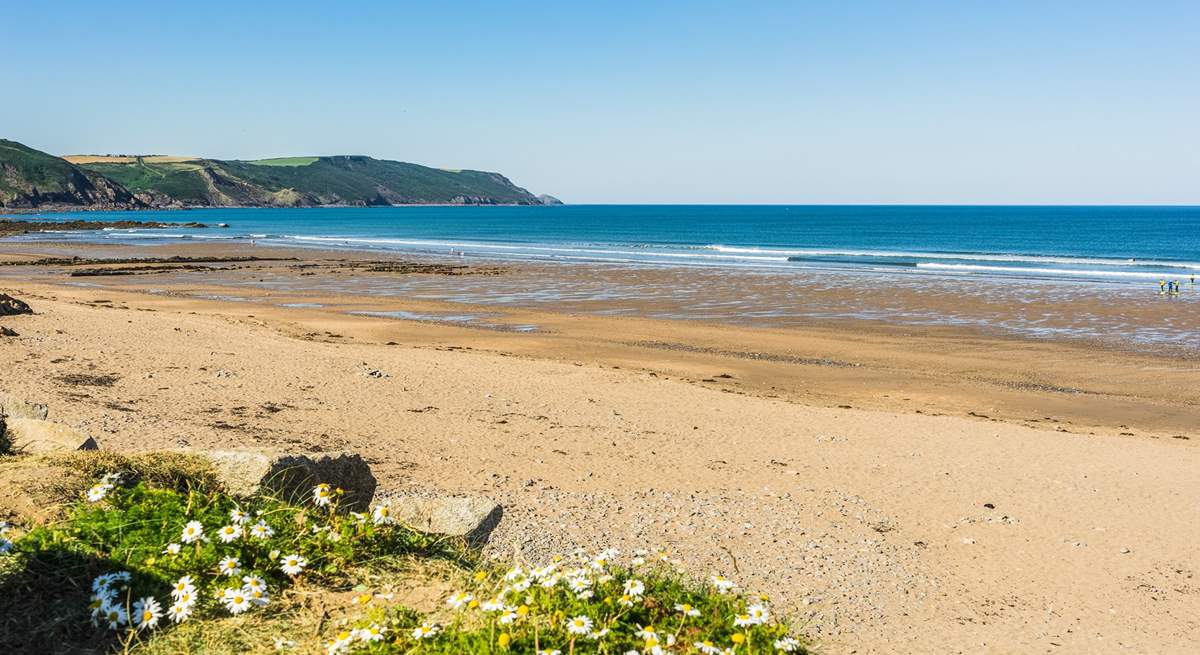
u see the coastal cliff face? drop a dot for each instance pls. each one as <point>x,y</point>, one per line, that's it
<point>30,179</point>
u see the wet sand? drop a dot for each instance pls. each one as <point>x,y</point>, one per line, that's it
<point>902,488</point>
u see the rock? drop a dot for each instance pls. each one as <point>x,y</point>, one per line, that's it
<point>292,476</point>
<point>14,407</point>
<point>37,437</point>
<point>8,332</point>
<point>472,517</point>
<point>10,306</point>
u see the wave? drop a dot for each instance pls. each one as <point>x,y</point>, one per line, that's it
<point>1026,270</point>
<point>986,257</point>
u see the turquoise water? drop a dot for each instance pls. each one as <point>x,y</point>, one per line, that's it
<point>1118,245</point>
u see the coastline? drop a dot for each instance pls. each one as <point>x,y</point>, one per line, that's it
<point>869,521</point>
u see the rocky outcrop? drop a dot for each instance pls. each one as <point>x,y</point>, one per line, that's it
<point>292,476</point>
<point>10,306</point>
<point>13,407</point>
<point>33,436</point>
<point>549,200</point>
<point>471,517</point>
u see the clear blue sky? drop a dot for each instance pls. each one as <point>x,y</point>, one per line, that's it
<point>757,102</point>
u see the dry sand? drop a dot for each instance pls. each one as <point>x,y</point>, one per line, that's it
<point>1062,517</point>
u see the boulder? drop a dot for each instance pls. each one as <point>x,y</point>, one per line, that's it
<point>37,437</point>
<point>292,476</point>
<point>472,517</point>
<point>10,306</point>
<point>13,407</point>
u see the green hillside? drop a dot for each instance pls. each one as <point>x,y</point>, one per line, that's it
<point>33,179</point>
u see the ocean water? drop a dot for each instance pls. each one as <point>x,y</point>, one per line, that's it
<point>1108,245</point>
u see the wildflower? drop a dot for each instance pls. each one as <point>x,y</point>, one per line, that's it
<point>492,605</point>
<point>382,514</point>
<point>738,638</point>
<point>458,600</point>
<point>191,532</point>
<point>743,620</point>
<point>235,600</point>
<point>634,588</point>
<point>322,495</point>
<point>578,584</point>
<point>172,549</point>
<point>115,616</point>
<point>687,610</point>
<point>374,632</point>
<point>723,584</point>
<point>426,630</point>
<point>549,652</point>
<point>787,644</point>
<point>229,566</point>
<point>258,597</point>
<point>514,573</point>
<point>253,582</point>
<point>625,601</point>
<point>229,533</point>
<point>183,586</point>
<point>759,613</point>
<point>238,517</point>
<point>98,492</point>
<point>580,625</point>
<point>179,612</point>
<point>340,643</point>
<point>647,633</point>
<point>707,648</point>
<point>292,564</point>
<point>146,612</point>
<point>508,615</point>
<point>359,517</point>
<point>503,639</point>
<point>261,530</point>
<point>598,634</point>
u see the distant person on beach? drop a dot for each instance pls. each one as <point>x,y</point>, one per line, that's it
<point>1162,287</point>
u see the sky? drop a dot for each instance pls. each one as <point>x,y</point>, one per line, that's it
<point>962,102</point>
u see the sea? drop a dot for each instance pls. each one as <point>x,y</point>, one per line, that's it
<point>1090,272</point>
<point>1131,245</point>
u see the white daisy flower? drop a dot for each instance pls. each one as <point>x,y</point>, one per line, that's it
<point>373,632</point>
<point>492,605</point>
<point>759,613</point>
<point>322,495</point>
<point>146,613</point>
<point>459,599</point>
<point>340,643</point>
<point>743,620</point>
<point>687,610</point>
<point>192,532</point>
<point>261,530</point>
<point>179,612</point>
<point>647,633</point>
<point>508,615</point>
<point>172,549</point>
<point>115,616</point>
<point>254,582</point>
<point>229,566</point>
<point>787,644</point>
<point>238,517</point>
<point>580,625</point>
<point>382,514</point>
<point>549,652</point>
<point>723,584</point>
<point>634,588</point>
<point>183,586</point>
<point>707,648</point>
<point>98,492</point>
<point>235,600</point>
<point>425,631</point>
<point>258,596</point>
<point>292,564</point>
<point>598,634</point>
<point>229,533</point>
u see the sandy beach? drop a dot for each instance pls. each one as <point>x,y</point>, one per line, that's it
<point>900,488</point>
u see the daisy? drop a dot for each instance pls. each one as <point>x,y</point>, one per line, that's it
<point>292,564</point>
<point>254,583</point>
<point>340,643</point>
<point>707,648</point>
<point>322,495</point>
<point>759,613</point>
<point>261,530</point>
<point>787,644</point>
<point>229,533</point>
<point>647,633</point>
<point>598,635</point>
<point>723,584</point>
<point>374,632</point>
<point>549,652</point>
<point>98,492</point>
<point>382,514</point>
<point>258,597</point>
<point>146,613</point>
<point>115,616</point>
<point>238,517</point>
<point>492,605</point>
<point>235,600</point>
<point>687,610</point>
<point>183,586</point>
<point>229,566</point>
<point>425,631</point>
<point>634,588</point>
<point>580,625</point>
<point>508,616</point>
<point>458,600</point>
<point>172,549</point>
<point>191,532</point>
<point>578,585</point>
<point>743,620</point>
<point>179,612</point>
<point>625,601</point>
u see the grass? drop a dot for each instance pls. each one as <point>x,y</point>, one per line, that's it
<point>284,161</point>
<point>364,577</point>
